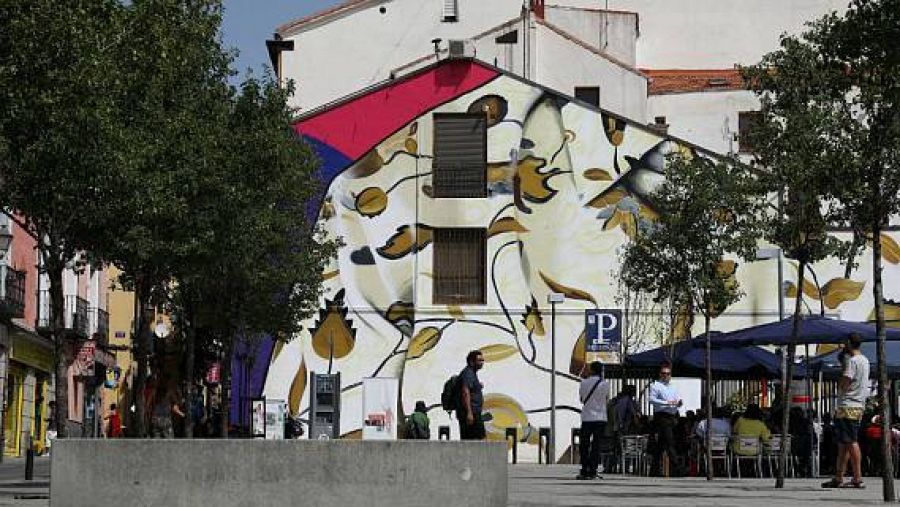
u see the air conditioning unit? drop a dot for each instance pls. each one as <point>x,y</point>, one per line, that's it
<point>457,48</point>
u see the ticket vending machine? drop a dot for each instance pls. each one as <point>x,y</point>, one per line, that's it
<point>324,406</point>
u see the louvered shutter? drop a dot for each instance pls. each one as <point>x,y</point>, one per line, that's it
<point>450,10</point>
<point>460,155</point>
<point>459,266</point>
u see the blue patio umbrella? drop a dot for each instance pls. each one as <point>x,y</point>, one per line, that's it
<point>830,367</point>
<point>689,357</point>
<point>813,329</point>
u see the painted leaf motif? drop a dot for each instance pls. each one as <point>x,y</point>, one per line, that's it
<point>533,321</point>
<point>493,106</point>
<point>614,129</point>
<point>333,335</point>
<point>809,289</point>
<point>606,199</point>
<point>328,210</point>
<point>403,242</point>
<point>570,292</point>
<point>890,250</point>
<point>402,316</point>
<point>368,165</point>
<point>330,274</point>
<point>840,290</point>
<point>456,312</point>
<point>352,435</point>
<point>411,146</point>
<point>505,224</point>
<point>614,220</point>
<point>505,413</point>
<point>298,389</point>
<point>371,202</point>
<point>891,314</point>
<point>497,172</point>
<point>727,268</point>
<point>648,213</point>
<point>596,174</point>
<point>279,345</point>
<point>497,352</point>
<point>423,341</point>
<point>577,363</point>
<point>534,184</point>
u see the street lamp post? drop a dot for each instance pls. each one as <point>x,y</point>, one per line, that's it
<point>553,298</point>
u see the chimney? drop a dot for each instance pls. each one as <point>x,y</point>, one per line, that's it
<point>537,7</point>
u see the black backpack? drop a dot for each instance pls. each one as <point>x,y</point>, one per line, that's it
<point>450,395</point>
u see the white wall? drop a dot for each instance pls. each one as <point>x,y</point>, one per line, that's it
<point>360,48</point>
<point>715,33</point>
<point>562,65</point>
<point>705,118</point>
<point>614,33</point>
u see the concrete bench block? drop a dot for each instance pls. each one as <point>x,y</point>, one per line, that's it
<point>225,473</point>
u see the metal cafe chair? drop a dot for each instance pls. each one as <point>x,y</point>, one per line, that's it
<point>772,451</point>
<point>747,449</point>
<point>633,457</point>
<point>719,449</point>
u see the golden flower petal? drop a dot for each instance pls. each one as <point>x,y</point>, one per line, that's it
<point>371,202</point>
<point>610,198</point>
<point>411,146</point>
<point>298,389</point>
<point>505,224</point>
<point>839,290</point>
<point>570,292</point>
<point>422,342</point>
<point>402,242</point>
<point>497,352</point>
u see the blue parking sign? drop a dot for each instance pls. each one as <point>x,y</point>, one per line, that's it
<point>603,330</point>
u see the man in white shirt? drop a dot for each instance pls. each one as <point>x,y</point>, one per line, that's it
<point>721,426</point>
<point>594,395</point>
<point>665,401</point>
<point>853,390</point>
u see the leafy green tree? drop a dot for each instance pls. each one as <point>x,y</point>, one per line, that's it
<point>59,135</point>
<point>863,43</point>
<point>172,104</point>
<point>708,212</point>
<point>261,271</point>
<point>793,142</point>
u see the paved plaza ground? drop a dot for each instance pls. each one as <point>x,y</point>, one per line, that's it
<point>554,486</point>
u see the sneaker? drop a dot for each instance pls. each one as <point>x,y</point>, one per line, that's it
<point>853,485</point>
<point>832,483</point>
<point>583,477</point>
<point>598,477</point>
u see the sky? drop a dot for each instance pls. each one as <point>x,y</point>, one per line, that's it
<point>249,23</point>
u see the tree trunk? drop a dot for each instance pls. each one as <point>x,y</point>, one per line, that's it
<point>887,467</point>
<point>189,371</point>
<point>55,271</point>
<point>226,385</point>
<point>140,356</point>
<point>709,407</point>
<point>787,375</point>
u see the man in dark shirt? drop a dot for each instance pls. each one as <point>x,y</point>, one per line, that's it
<point>471,425</point>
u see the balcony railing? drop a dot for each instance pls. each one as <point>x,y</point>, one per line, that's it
<point>12,292</point>
<point>75,314</point>
<point>99,319</point>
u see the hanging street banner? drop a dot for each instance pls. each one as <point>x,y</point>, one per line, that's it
<point>602,331</point>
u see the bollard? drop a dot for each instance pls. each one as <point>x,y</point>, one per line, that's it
<point>29,460</point>
<point>513,433</point>
<point>574,444</point>
<point>544,440</point>
<point>443,431</point>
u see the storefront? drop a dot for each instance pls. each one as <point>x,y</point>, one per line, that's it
<point>27,387</point>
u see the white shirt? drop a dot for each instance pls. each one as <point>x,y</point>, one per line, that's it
<point>660,396</point>
<point>857,371</point>
<point>720,428</point>
<point>594,408</point>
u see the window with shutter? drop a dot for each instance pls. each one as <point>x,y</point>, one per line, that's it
<point>460,155</point>
<point>459,266</point>
<point>450,11</point>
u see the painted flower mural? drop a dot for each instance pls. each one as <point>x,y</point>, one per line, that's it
<point>568,185</point>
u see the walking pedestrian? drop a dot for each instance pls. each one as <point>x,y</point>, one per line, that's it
<point>471,425</point>
<point>114,422</point>
<point>665,401</point>
<point>594,395</point>
<point>853,390</point>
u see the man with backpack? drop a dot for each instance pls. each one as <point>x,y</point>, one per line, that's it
<point>471,425</point>
<point>594,394</point>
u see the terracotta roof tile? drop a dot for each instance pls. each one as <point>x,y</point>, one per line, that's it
<point>665,81</point>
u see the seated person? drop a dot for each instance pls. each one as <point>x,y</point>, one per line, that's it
<point>721,425</point>
<point>750,425</point>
